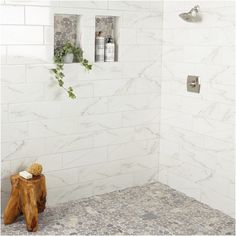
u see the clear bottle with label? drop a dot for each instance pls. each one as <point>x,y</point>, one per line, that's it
<point>99,47</point>
<point>109,50</point>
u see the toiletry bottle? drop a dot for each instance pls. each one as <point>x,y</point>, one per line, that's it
<point>99,47</point>
<point>109,50</point>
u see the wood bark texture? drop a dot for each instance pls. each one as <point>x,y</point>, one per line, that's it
<point>28,197</point>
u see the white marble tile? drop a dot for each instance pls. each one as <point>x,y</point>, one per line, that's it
<point>52,127</point>
<point>133,102</point>
<point>143,20</point>
<point>127,36</point>
<point>215,129</point>
<point>38,15</point>
<point>84,157</point>
<point>131,118</point>
<point>38,73</point>
<point>156,6</point>
<point>48,35</point>
<point>6,169</point>
<point>21,35</point>
<point>83,4</point>
<point>4,113</point>
<point>128,5</point>
<point>99,171</point>
<point>142,69</point>
<point>49,163</point>
<point>5,188</point>
<point>29,54</point>
<point>177,119</point>
<point>12,15</point>
<point>23,93</point>
<point>61,178</point>
<point>218,55</point>
<point>142,177</point>
<point>186,170</point>
<point>112,183</point>
<point>218,111</point>
<point>139,164</point>
<point>149,85</point>
<point>68,143</point>
<point>209,74</point>
<point>218,201</point>
<point>69,192</point>
<point>199,37</point>
<point>184,185</point>
<point>219,184</point>
<point>113,136</point>
<point>133,149</point>
<point>14,131</point>
<point>103,71</point>
<point>148,131</point>
<point>13,74</point>
<point>34,111</point>
<point>99,122</point>
<point>134,53</point>
<point>32,2</point>
<point>22,148</point>
<point>179,136</point>
<point>3,54</point>
<point>221,93</point>
<point>86,106</point>
<point>149,36</point>
<point>113,87</point>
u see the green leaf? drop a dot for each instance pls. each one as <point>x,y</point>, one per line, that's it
<point>61,82</point>
<point>71,94</point>
<point>59,54</point>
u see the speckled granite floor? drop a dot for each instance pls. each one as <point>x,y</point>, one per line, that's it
<point>153,209</point>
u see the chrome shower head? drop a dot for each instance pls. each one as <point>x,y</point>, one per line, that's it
<point>192,16</point>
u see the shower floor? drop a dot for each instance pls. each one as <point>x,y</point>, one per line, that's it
<point>153,209</point>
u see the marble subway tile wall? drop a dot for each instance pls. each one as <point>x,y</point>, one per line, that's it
<point>108,138</point>
<point>197,130</point>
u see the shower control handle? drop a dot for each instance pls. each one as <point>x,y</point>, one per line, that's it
<point>193,84</point>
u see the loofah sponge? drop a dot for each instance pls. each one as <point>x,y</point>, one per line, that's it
<point>35,169</point>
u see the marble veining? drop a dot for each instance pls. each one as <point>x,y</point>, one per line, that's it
<point>153,209</point>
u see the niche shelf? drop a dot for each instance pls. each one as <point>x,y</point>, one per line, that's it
<point>66,29</point>
<point>108,25</point>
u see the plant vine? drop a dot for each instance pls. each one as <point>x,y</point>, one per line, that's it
<point>59,55</point>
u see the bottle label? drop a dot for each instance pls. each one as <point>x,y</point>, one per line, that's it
<point>99,49</point>
<point>109,52</point>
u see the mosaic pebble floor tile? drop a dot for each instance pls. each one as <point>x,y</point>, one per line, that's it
<point>153,209</point>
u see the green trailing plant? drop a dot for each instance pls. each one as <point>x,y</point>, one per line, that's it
<point>59,55</point>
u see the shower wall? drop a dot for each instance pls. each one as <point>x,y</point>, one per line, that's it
<point>197,130</point>
<point>109,137</point>
<point>106,139</point>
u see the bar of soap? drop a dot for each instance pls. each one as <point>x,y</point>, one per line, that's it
<point>26,175</point>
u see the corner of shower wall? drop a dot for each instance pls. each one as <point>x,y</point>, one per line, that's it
<point>197,130</point>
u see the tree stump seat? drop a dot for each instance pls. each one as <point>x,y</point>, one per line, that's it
<point>28,197</point>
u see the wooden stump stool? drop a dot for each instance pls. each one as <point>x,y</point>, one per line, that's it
<point>27,197</point>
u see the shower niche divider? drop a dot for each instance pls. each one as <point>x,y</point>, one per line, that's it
<point>106,30</point>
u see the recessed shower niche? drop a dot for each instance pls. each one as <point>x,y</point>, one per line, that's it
<point>106,38</point>
<point>66,29</point>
